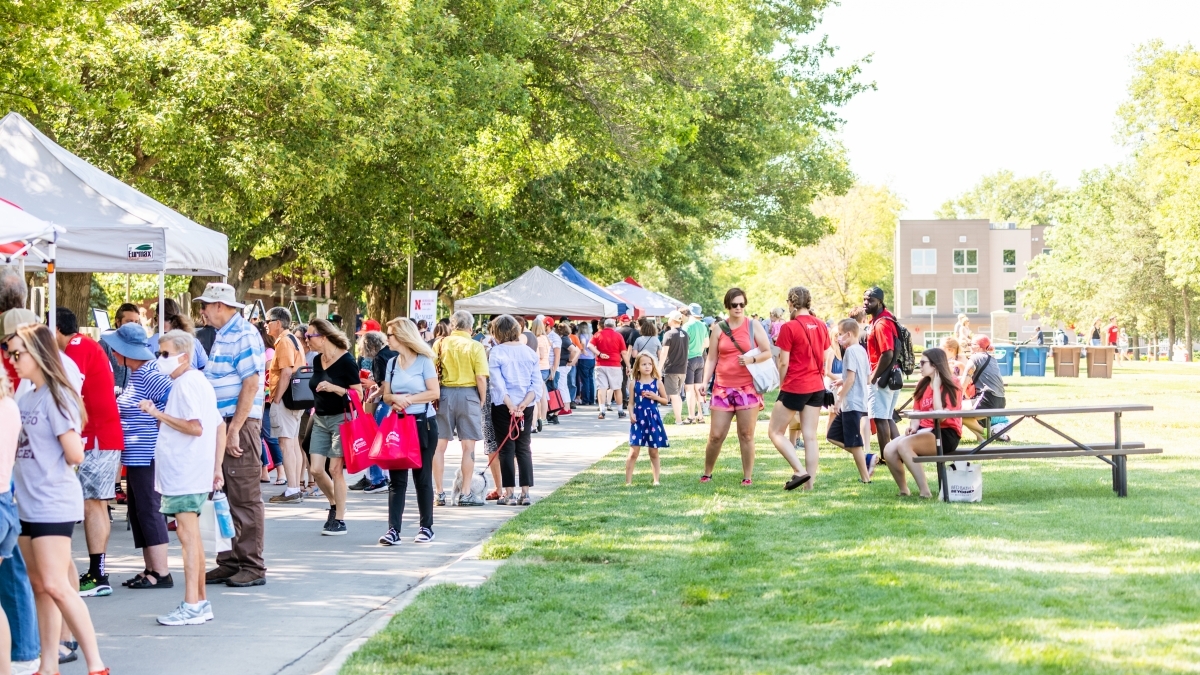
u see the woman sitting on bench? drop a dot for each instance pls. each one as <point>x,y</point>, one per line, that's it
<point>936,390</point>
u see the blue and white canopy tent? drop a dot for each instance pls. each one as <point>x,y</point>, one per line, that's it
<point>567,271</point>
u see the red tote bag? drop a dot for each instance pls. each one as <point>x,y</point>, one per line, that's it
<point>397,446</point>
<point>358,433</point>
<point>554,402</point>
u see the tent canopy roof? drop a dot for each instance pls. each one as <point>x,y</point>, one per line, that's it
<point>109,226</point>
<point>567,271</point>
<point>17,225</point>
<point>652,303</point>
<point>539,292</point>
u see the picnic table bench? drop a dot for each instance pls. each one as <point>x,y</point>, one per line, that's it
<point>1112,453</point>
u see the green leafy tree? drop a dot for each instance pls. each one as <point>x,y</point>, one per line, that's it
<point>1003,198</point>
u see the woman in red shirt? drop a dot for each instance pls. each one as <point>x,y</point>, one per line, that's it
<point>936,390</point>
<point>733,392</point>
<point>804,359</point>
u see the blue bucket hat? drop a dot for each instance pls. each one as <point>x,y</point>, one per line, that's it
<point>129,341</point>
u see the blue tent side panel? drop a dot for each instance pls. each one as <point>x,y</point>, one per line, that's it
<point>568,272</point>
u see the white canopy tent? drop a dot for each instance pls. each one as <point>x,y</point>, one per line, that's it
<point>539,292</point>
<point>17,225</point>
<point>108,225</point>
<point>651,303</point>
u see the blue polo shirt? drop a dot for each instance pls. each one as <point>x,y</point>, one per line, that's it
<point>237,353</point>
<point>140,429</point>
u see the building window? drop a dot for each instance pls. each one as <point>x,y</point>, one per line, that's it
<point>1045,251</point>
<point>924,261</point>
<point>966,261</point>
<point>1010,301</point>
<point>933,338</point>
<point>1010,260</point>
<point>924,301</point>
<point>966,301</point>
<point>1012,336</point>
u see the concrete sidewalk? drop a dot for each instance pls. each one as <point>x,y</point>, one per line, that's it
<point>322,592</point>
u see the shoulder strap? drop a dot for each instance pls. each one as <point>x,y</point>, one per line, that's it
<point>392,367</point>
<point>724,325</point>
<point>979,371</point>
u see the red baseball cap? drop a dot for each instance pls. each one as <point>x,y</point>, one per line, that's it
<point>983,342</point>
<point>623,317</point>
<point>368,326</point>
<point>548,321</point>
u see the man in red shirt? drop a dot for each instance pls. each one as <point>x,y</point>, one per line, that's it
<point>103,442</point>
<point>881,353</point>
<point>608,346</point>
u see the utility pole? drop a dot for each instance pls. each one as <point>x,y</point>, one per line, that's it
<point>409,289</point>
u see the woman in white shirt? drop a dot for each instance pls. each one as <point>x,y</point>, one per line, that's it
<point>188,454</point>
<point>49,495</point>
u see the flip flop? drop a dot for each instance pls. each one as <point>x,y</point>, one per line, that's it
<point>797,480</point>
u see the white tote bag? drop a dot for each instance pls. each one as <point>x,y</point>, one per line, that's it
<point>964,481</point>
<point>210,532</point>
<point>765,374</point>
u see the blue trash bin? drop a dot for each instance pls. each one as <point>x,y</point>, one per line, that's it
<point>1005,354</point>
<point>1033,360</point>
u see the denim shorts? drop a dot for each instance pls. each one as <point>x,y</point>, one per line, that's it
<point>882,401</point>
<point>10,526</point>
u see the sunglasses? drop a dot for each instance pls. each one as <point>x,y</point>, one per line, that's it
<point>164,355</point>
<point>736,305</point>
<point>924,362</point>
<point>14,354</point>
<point>312,335</point>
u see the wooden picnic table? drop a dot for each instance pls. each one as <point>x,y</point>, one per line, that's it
<point>1118,449</point>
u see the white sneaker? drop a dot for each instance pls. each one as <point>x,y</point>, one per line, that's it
<point>184,615</point>
<point>206,609</point>
<point>25,667</point>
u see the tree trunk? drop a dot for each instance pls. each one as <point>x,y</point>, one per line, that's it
<point>346,294</point>
<point>1170,337</point>
<point>1187,324</point>
<point>74,290</point>
<point>397,306</point>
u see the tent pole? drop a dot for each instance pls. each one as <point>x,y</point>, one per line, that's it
<point>51,275</point>
<point>162,292</point>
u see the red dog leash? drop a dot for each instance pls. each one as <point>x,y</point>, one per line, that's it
<point>514,430</point>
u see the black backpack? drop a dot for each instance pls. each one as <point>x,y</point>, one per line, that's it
<point>902,355</point>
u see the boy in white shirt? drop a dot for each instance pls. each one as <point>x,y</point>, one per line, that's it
<point>844,430</point>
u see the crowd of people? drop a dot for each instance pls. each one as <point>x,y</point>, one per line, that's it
<point>167,422</point>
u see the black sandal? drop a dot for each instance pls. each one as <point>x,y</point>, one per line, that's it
<point>72,651</point>
<point>135,578</point>
<point>163,581</point>
<point>797,480</point>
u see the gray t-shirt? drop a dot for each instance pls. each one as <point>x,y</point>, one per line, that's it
<point>988,378</point>
<point>855,360</point>
<point>48,490</point>
<point>647,343</point>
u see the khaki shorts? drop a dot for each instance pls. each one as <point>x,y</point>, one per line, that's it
<point>285,423</point>
<point>608,377</point>
<point>325,439</point>
<point>673,383</point>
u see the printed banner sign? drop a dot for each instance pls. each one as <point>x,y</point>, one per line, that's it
<point>424,306</point>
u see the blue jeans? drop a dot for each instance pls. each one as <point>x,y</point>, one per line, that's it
<point>374,473</point>
<point>586,384</point>
<point>16,597</point>
<point>571,383</point>
<point>272,444</point>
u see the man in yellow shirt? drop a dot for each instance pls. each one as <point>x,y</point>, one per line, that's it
<point>463,367</point>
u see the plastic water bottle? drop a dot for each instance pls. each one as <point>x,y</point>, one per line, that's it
<point>224,517</point>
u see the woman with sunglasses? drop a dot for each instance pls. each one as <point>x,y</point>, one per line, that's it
<point>335,373</point>
<point>936,390</point>
<point>49,495</point>
<point>733,392</point>
<point>410,386</point>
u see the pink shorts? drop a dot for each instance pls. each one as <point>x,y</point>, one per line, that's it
<point>735,398</point>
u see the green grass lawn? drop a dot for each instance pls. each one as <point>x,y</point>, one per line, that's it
<point>1052,573</point>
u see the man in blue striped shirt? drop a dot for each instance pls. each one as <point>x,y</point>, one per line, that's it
<point>235,366</point>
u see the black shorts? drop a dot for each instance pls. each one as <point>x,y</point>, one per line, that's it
<point>845,429</point>
<point>35,530</point>
<point>950,439</point>
<point>695,371</point>
<point>796,402</point>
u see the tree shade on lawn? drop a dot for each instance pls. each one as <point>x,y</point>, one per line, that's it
<point>1050,574</point>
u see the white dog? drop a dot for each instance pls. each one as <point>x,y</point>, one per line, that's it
<point>477,492</point>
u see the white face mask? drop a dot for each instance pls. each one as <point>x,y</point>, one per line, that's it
<point>168,364</point>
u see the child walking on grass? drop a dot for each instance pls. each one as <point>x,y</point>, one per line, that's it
<point>646,426</point>
<point>844,430</point>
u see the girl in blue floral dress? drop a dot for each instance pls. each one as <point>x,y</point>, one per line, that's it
<point>645,424</point>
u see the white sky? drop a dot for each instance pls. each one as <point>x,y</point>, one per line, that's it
<point>968,87</point>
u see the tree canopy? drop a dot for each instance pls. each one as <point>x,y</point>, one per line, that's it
<point>1001,197</point>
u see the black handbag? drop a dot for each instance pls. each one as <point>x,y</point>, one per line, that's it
<point>299,394</point>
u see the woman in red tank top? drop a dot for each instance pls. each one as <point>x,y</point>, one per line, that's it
<point>733,393</point>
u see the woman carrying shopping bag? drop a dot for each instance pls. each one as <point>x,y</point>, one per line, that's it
<point>335,373</point>
<point>410,386</point>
